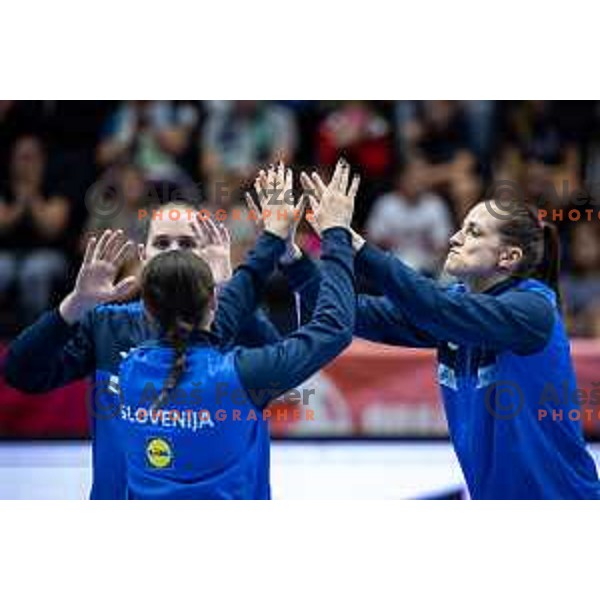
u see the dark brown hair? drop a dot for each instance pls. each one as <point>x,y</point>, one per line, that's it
<point>176,290</point>
<point>539,241</point>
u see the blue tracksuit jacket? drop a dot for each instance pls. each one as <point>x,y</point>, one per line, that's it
<point>499,354</point>
<point>210,440</point>
<point>49,354</point>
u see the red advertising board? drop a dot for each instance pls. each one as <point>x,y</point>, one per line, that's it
<point>370,390</point>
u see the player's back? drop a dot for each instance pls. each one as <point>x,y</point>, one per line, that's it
<point>207,441</point>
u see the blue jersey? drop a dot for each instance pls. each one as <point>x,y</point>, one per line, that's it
<point>501,356</point>
<point>49,354</point>
<point>195,446</point>
<point>210,439</point>
<point>501,423</point>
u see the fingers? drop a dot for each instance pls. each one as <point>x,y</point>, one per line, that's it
<point>344,176</point>
<point>252,207</point>
<point>280,175</point>
<point>307,185</point>
<point>101,245</point>
<point>336,178</point>
<point>288,184</point>
<point>272,178</point>
<point>198,231</point>
<point>114,245</point>
<point>354,187</point>
<point>124,287</point>
<point>320,187</point>
<point>122,253</point>
<point>210,231</point>
<point>225,235</point>
<point>89,250</point>
<point>260,187</point>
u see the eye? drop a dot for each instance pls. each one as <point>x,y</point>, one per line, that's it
<point>161,243</point>
<point>187,243</point>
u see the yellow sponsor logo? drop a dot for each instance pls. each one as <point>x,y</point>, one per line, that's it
<point>159,453</point>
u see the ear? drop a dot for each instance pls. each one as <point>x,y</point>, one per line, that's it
<point>510,257</point>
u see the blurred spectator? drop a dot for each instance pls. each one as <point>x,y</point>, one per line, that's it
<point>540,146</point>
<point>355,130</point>
<point>17,118</point>
<point>454,150</point>
<point>238,138</point>
<point>481,120</point>
<point>33,226</point>
<point>359,133</point>
<point>150,134</point>
<point>411,221</point>
<point>437,131</point>
<point>581,283</point>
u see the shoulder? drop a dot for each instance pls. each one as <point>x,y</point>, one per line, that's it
<point>537,287</point>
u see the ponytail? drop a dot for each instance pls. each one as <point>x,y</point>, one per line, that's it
<point>549,267</point>
<point>539,241</point>
<point>178,337</point>
<point>176,290</point>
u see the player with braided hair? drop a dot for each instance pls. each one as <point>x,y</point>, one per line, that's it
<point>205,435</point>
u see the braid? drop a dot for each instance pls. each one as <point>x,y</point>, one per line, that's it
<point>176,290</point>
<point>178,337</point>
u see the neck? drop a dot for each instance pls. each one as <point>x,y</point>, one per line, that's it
<point>481,284</point>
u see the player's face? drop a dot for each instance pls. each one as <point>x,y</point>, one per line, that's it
<point>476,250</point>
<point>167,234</point>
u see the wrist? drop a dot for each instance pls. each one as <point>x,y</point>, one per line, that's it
<point>73,308</point>
<point>292,254</point>
<point>357,241</point>
<point>324,225</point>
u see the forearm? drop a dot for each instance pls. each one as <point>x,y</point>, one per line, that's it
<point>519,321</point>
<point>39,359</point>
<point>239,298</point>
<point>290,362</point>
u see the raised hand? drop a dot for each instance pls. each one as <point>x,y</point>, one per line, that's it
<point>278,213</point>
<point>215,247</point>
<point>95,282</point>
<point>332,205</point>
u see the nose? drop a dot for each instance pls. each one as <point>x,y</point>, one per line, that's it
<point>456,239</point>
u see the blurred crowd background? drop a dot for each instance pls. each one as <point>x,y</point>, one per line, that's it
<point>423,164</point>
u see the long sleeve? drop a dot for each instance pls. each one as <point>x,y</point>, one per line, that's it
<point>377,319</point>
<point>49,354</point>
<point>236,318</point>
<point>518,320</point>
<point>267,372</point>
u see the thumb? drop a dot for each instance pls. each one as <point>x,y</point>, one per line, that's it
<point>125,287</point>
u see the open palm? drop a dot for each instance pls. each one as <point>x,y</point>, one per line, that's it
<point>103,258</point>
